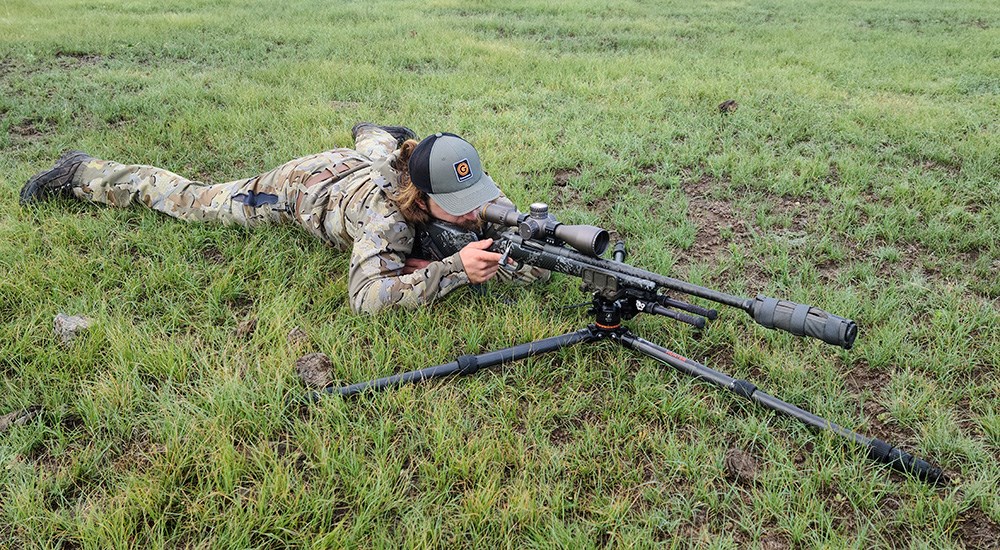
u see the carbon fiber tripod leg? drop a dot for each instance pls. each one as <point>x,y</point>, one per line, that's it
<point>877,449</point>
<point>467,364</point>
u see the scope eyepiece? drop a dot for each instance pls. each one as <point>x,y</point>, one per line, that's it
<point>500,215</point>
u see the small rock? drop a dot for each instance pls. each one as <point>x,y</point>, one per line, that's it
<point>19,418</point>
<point>68,327</point>
<point>297,336</point>
<point>740,466</point>
<point>247,327</point>
<point>314,369</point>
<point>728,106</point>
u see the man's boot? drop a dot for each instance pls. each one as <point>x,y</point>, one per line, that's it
<point>57,180</point>
<point>401,133</point>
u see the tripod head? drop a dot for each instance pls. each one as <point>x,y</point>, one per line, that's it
<point>611,312</point>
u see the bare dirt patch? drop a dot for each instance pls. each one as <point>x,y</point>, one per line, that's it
<point>718,221</point>
<point>800,455</point>
<point>79,59</point>
<point>802,212</point>
<point>6,66</point>
<point>41,452</point>
<point>741,467</point>
<point>883,427</point>
<point>833,176</point>
<point>977,530</point>
<point>137,453</point>
<point>213,255</point>
<point>565,429</point>
<point>909,255</point>
<point>862,377</point>
<point>241,303</point>
<point>970,421</point>
<point>720,357</point>
<point>838,506</point>
<point>291,452</point>
<point>722,224</point>
<point>560,180</point>
<point>564,196</point>
<point>71,422</point>
<point>563,175</point>
<point>28,129</point>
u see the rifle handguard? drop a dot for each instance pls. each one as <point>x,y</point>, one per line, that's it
<point>803,320</point>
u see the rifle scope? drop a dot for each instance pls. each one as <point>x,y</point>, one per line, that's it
<point>587,239</point>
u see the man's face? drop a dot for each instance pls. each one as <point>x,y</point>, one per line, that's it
<point>469,220</point>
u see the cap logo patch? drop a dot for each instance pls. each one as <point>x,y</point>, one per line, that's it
<point>463,170</point>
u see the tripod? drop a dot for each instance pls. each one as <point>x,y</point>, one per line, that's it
<point>607,326</point>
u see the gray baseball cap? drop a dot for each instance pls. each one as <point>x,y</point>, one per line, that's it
<point>447,168</point>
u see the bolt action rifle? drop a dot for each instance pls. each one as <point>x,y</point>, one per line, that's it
<point>620,292</point>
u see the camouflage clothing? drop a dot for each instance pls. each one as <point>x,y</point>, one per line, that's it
<point>339,196</point>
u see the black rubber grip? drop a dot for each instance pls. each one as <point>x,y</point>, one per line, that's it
<point>905,462</point>
<point>803,320</point>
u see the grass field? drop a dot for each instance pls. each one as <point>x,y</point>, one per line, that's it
<point>858,174</point>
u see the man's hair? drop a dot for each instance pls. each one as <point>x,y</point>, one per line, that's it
<point>407,197</point>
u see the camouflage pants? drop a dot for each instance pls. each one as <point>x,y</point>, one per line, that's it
<point>297,191</point>
<point>328,194</point>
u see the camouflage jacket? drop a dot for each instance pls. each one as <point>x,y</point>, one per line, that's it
<point>340,196</point>
<point>381,239</point>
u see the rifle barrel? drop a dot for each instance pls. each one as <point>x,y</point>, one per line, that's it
<point>797,319</point>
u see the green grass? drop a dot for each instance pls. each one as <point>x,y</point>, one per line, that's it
<point>859,174</point>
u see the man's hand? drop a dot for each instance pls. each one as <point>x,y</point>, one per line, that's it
<point>480,264</point>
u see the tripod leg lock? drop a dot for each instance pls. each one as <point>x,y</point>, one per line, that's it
<point>467,364</point>
<point>743,388</point>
